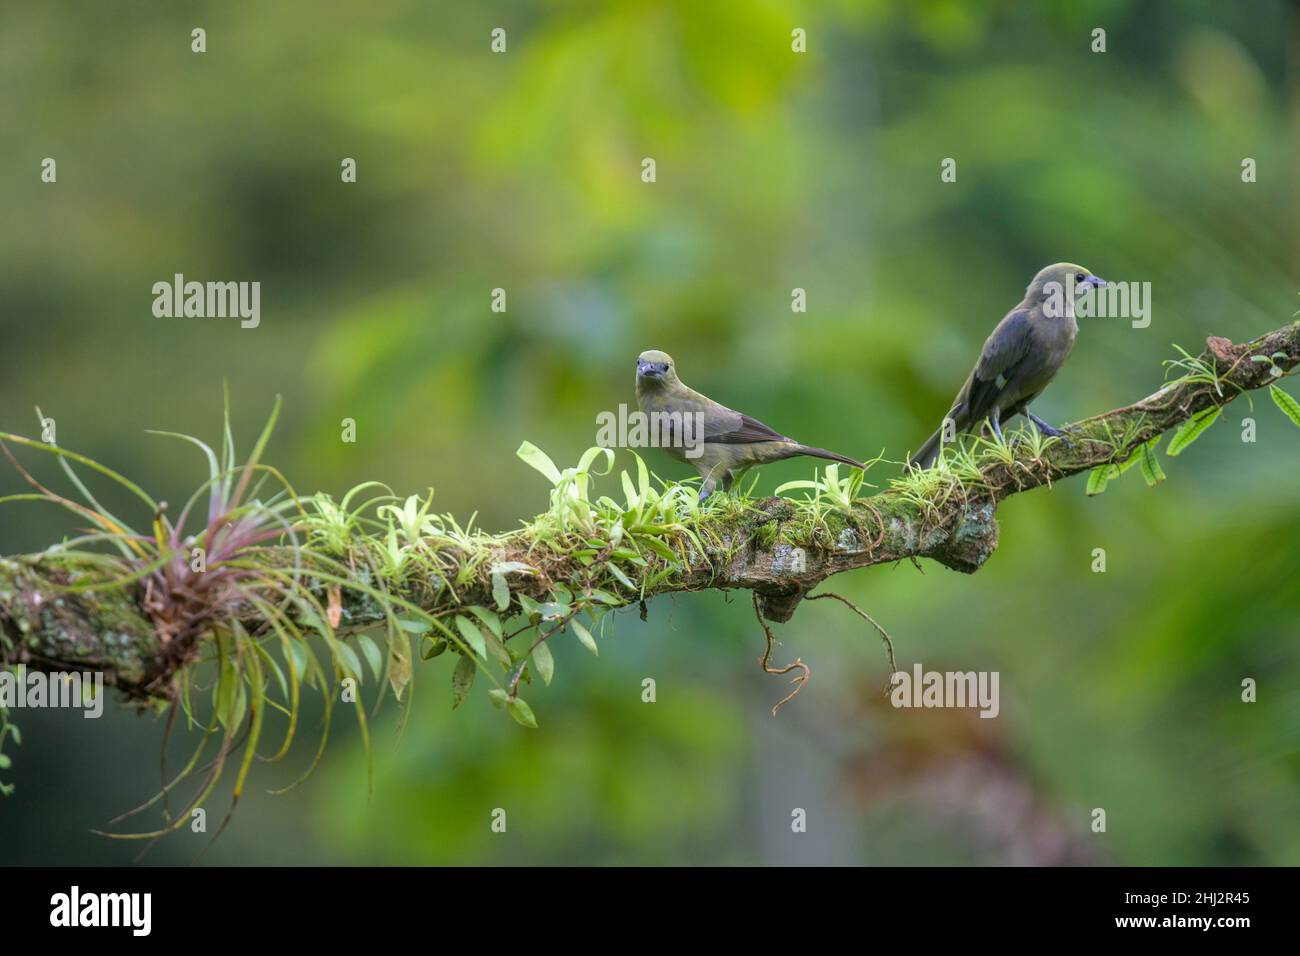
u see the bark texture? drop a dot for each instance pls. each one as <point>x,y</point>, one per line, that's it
<point>767,551</point>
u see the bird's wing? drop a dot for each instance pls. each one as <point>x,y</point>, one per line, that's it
<point>729,427</point>
<point>1003,351</point>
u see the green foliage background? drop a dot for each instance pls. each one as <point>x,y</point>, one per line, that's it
<point>1119,690</point>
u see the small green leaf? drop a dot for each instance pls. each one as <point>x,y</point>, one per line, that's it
<point>296,658</point>
<point>1191,429</point>
<point>1151,470</point>
<point>802,483</point>
<point>529,606</point>
<point>500,591</point>
<point>351,663</point>
<point>536,458</point>
<point>553,611</point>
<point>224,693</point>
<point>399,662</point>
<point>522,713</point>
<point>1098,478</point>
<point>241,708</point>
<point>462,679</point>
<point>275,668</point>
<point>623,579</point>
<point>414,625</point>
<point>498,697</point>
<point>544,662</point>
<point>1283,400</point>
<point>487,617</point>
<point>371,650</point>
<point>1126,464</point>
<point>18,738</point>
<point>472,635</point>
<point>658,547</point>
<point>433,648</point>
<point>6,763</point>
<point>584,635</point>
<point>498,650</point>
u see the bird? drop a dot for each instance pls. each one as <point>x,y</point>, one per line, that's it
<point>720,442</point>
<point>1019,359</point>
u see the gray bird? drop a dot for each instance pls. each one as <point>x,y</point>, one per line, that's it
<point>1020,358</point>
<point>721,443</point>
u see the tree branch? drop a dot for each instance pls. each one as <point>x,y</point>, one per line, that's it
<point>770,548</point>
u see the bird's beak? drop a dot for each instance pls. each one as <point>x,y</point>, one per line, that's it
<point>647,370</point>
<point>1097,281</point>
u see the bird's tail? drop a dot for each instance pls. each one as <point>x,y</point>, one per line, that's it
<point>828,455</point>
<point>927,454</point>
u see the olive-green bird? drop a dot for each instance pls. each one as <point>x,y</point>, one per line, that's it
<point>1020,358</point>
<point>721,443</point>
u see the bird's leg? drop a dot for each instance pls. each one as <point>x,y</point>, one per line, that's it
<point>996,426</point>
<point>733,477</point>
<point>1047,429</point>
<point>710,482</point>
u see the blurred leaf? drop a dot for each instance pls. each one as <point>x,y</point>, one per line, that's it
<point>584,636</point>
<point>462,679</point>
<point>472,635</point>
<point>544,663</point>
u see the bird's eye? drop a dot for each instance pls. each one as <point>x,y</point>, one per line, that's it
<point>1079,277</point>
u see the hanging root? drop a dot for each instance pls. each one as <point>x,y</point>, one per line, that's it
<point>798,681</point>
<point>884,635</point>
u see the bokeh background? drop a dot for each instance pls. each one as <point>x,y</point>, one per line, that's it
<point>774,170</point>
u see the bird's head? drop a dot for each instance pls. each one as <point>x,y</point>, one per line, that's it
<point>654,368</point>
<point>1056,279</point>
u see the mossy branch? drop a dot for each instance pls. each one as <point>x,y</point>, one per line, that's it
<point>779,548</point>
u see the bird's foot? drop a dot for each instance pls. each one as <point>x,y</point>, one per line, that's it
<point>1050,430</point>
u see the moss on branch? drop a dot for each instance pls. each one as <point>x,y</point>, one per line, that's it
<point>778,547</point>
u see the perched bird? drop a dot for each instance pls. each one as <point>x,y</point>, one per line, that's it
<point>1019,359</point>
<point>721,443</point>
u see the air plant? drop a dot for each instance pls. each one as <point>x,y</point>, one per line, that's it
<point>224,595</point>
<point>249,583</point>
